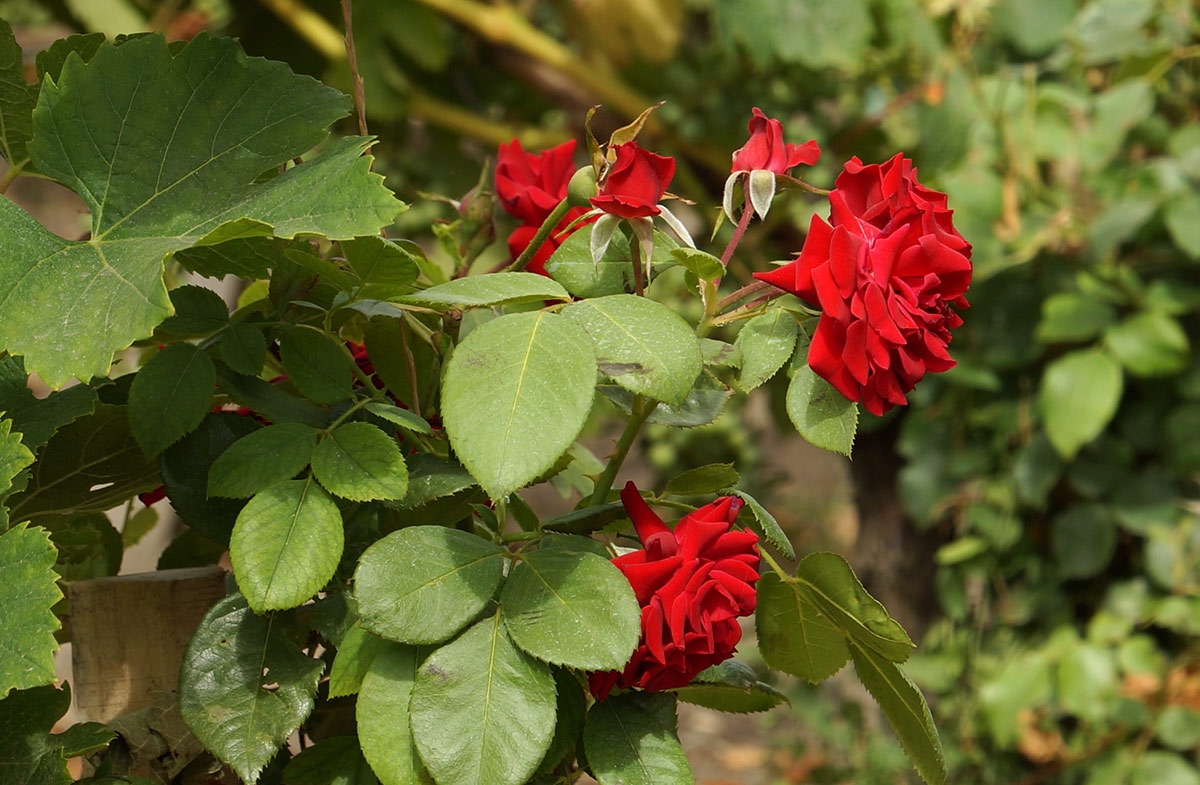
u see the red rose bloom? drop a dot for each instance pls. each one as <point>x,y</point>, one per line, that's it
<point>530,186</point>
<point>692,584</point>
<point>885,271</point>
<point>635,182</point>
<point>766,149</point>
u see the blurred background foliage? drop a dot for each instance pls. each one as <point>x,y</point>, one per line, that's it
<point>1034,515</point>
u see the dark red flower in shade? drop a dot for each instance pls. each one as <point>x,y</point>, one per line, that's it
<point>692,583</point>
<point>635,183</point>
<point>887,271</point>
<point>530,186</point>
<point>767,150</point>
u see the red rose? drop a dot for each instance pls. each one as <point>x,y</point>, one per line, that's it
<point>766,149</point>
<point>530,186</point>
<point>635,182</point>
<point>885,272</point>
<point>692,584</point>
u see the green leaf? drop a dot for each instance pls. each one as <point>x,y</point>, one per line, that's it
<point>27,623</point>
<point>704,480</point>
<point>28,753</point>
<point>250,257</point>
<point>389,343</point>
<point>88,546</point>
<point>703,265</point>
<point>643,345</point>
<point>766,344</point>
<point>587,520</point>
<point>163,165</point>
<point>1078,396</point>
<point>1183,222</point>
<point>14,456</point>
<point>820,413</point>
<point>764,523</point>
<point>262,458</point>
<point>1073,316</point>
<point>483,710</point>
<point>138,526</point>
<point>1150,343</point>
<point>422,584</point>
<point>794,634</point>
<point>318,365</point>
<point>703,404</point>
<point>732,687</point>
<point>357,461</point>
<point>198,312</point>
<point>431,477</point>
<point>1083,540</point>
<point>516,394</point>
<point>187,464</point>
<point>336,760</point>
<point>905,709</point>
<point>38,418</point>
<point>627,745</point>
<point>17,100</point>
<point>573,609</point>
<point>836,590</point>
<point>383,707</point>
<point>170,396</point>
<point>245,686</point>
<point>571,265</point>
<point>268,401</point>
<point>355,653</point>
<point>397,416</point>
<point>489,290</point>
<point>720,354</point>
<point>50,61</point>
<point>242,348</point>
<point>97,451</point>
<point>569,717</point>
<point>286,544</point>
<point>386,269</point>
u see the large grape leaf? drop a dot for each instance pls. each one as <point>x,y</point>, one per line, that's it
<point>27,593</point>
<point>16,101</point>
<point>167,150</point>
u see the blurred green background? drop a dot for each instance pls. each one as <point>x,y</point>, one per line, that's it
<point>1033,517</point>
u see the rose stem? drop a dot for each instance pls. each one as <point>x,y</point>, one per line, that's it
<point>641,411</point>
<point>743,222</point>
<point>360,99</point>
<point>543,232</point>
<point>635,251</point>
<point>742,294</point>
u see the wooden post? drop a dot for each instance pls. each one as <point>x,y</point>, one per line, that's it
<point>128,634</point>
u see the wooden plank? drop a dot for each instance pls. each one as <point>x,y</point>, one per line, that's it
<point>128,634</point>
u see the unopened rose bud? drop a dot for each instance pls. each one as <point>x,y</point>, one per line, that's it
<point>582,187</point>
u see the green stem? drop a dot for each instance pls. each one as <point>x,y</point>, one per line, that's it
<point>543,232</point>
<point>635,253</point>
<point>637,418</point>
<point>11,174</point>
<point>770,560</point>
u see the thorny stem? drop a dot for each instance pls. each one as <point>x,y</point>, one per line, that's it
<point>543,232</point>
<point>641,411</point>
<point>741,294</point>
<point>743,222</point>
<point>360,100</point>
<point>747,310</point>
